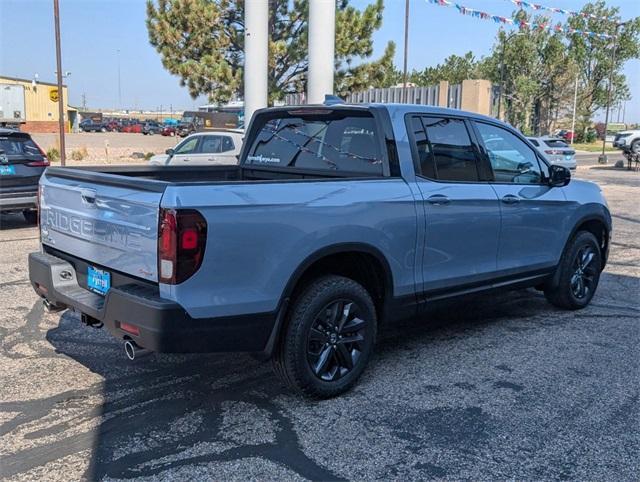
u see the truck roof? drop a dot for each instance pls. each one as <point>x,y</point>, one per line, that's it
<point>400,109</point>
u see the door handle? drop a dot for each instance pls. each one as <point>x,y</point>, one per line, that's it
<point>88,196</point>
<point>438,199</point>
<point>510,199</point>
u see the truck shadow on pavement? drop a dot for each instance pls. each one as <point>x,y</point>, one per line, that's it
<point>204,416</point>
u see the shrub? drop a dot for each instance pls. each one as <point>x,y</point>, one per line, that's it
<point>148,156</point>
<point>53,154</point>
<point>79,154</point>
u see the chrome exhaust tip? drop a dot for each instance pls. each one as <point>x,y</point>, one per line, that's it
<point>51,307</point>
<point>133,351</point>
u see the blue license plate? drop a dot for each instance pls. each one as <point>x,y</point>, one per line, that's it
<point>7,170</point>
<point>98,280</point>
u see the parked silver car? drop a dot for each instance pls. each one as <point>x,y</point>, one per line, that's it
<point>555,150</point>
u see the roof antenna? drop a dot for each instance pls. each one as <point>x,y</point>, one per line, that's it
<point>332,100</point>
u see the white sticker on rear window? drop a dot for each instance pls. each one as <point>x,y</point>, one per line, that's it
<point>264,160</point>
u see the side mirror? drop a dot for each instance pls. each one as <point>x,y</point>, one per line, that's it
<point>559,176</point>
<point>169,152</point>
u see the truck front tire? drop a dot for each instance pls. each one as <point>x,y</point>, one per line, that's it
<point>579,273</point>
<point>329,338</point>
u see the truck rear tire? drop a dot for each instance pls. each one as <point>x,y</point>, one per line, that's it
<point>579,274</point>
<point>329,338</point>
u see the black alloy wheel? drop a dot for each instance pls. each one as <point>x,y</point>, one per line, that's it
<point>578,273</point>
<point>328,339</point>
<point>336,340</point>
<point>584,274</point>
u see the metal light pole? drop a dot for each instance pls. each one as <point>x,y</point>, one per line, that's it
<point>603,157</point>
<point>322,40</point>
<point>406,51</point>
<point>56,20</point>
<point>256,55</point>
<point>573,119</point>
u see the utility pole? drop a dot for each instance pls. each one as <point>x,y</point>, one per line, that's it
<point>322,39</point>
<point>84,102</point>
<point>56,20</point>
<point>603,157</point>
<point>406,51</point>
<point>573,118</point>
<point>119,84</point>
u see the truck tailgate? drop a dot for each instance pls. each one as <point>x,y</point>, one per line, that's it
<point>106,223</point>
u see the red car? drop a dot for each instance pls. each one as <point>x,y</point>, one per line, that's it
<point>132,127</point>
<point>168,131</point>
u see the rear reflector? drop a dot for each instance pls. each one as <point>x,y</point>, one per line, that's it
<point>134,330</point>
<point>182,236</point>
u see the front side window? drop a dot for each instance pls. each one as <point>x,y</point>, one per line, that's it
<point>188,146</point>
<point>335,141</point>
<point>511,159</point>
<point>449,150</point>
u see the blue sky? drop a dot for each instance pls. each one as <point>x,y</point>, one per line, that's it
<point>94,30</point>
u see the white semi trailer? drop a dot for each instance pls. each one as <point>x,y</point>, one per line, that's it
<point>12,109</point>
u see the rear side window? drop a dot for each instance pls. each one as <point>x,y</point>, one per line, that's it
<point>227,144</point>
<point>336,141</point>
<point>556,143</point>
<point>534,142</point>
<point>446,153</point>
<point>211,145</point>
<point>19,146</point>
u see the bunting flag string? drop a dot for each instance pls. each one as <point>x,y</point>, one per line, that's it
<point>537,6</point>
<point>545,25</point>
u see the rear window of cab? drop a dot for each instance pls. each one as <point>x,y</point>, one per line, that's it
<point>335,141</point>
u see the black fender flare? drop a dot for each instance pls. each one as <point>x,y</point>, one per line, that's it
<point>299,272</point>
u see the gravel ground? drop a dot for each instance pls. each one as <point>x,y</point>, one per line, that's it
<point>107,147</point>
<point>491,387</point>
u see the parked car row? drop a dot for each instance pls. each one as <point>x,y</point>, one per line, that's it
<point>147,127</point>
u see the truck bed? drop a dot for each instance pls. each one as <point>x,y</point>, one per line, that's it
<point>155,178</point>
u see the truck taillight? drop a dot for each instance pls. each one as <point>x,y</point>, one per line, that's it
<point>182,236</point>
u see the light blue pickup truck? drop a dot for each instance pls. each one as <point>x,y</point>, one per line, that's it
<point>336,219</point>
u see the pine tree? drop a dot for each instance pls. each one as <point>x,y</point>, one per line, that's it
<point>201,41</point>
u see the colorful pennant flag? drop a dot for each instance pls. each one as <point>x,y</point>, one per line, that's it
<point>537,6</point>
<point>519,23</point>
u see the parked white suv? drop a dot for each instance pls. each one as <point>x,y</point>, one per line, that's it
<point>203,149</point>
<point>628,141</point>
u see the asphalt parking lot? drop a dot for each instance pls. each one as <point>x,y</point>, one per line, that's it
<point>491,387</point>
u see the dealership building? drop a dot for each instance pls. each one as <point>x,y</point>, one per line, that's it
<point>32,105</point>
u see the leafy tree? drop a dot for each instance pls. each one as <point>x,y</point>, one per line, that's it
<point>595,59</point>
<point>454,69</point>
<point>202,42</point>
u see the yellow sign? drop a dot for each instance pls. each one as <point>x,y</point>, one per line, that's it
<point>53,95</point>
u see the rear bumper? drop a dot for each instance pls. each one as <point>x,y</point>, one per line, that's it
<point>163,325</point>
<point>22,199</point>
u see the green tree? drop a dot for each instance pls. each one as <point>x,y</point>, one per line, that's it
<point>595,58</point>
<point>454,69</point>
<point>202,42</point>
